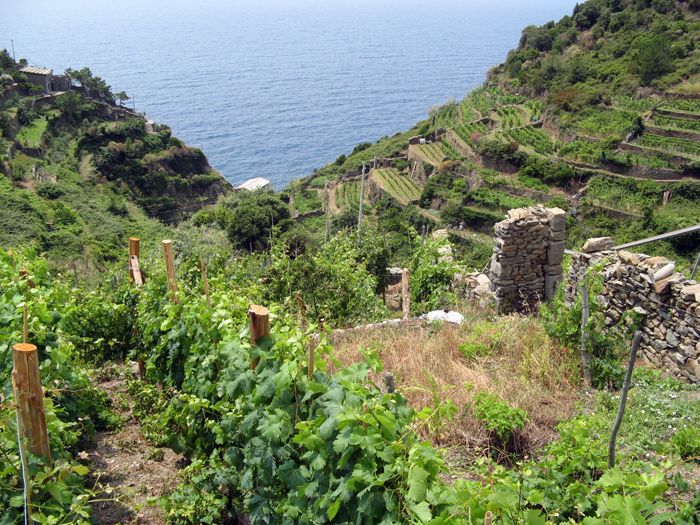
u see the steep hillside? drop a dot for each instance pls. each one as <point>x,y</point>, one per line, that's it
<point>81,173</point>
<point>596,113</point>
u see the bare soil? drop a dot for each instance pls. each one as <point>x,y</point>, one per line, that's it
<point>130,474</point>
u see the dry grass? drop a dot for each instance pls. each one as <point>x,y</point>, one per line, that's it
<point>511,356</point>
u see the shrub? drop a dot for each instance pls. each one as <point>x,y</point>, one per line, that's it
<point>503,422</point>
<point>686,442</point>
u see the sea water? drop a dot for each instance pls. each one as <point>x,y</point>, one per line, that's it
<point>275,88</point>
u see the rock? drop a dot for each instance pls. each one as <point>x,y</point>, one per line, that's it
<point>444,315</point>
<point>671,338</point>
<point>664,272</point>
<point>663,286</point>
<point>519,214</point>
<point>598,244</point>
<point>555,252</point>
<point>557,219</point>
<point>628,257</point>
<point>691,293</point>
<point>655,262</point>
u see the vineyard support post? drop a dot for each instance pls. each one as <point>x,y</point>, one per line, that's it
<point>405,296</point>
<point>29,396</point>
<point>259,325</point>
<point>170,269</point>
<point>623,398</point>
<point>135,273</point>
<point>585,357</point>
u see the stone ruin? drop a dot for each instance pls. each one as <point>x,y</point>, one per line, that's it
<point>527,257</point>
<point>668,303</point>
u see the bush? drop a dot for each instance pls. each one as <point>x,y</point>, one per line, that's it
<point>686,442</point>
<point>254,217</point>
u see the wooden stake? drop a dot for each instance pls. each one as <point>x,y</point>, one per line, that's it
<point>405,296</point>
<point>585,357</point>
<point>205,279</point>
<point>134,247</point>
<point>135,273</point>
<point>259,318</point>
<point>623,398</point>
<point>170,269</point>
<point>29,396</point>
<point>487,517</point>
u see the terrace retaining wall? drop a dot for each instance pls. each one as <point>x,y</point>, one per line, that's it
<point>668,304</point>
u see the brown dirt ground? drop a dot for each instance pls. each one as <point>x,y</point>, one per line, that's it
<point>129,473</point>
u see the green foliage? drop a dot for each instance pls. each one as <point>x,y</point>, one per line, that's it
<point>254,218</point>
<point>484,338</point>
<point>498,416</point>
<point>547,171</point>
<point>431,276</point>
<point>336,282</point>
<point>686,442</point>
<point>653,56</point>
<point>74,407</point>
<point>605,346</point>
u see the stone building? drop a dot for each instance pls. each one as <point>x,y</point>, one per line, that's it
<point>45,79</point>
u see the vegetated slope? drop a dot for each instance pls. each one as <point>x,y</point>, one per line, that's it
<point>80,173</point>
<point>269,441</point>
<point>596,113</point>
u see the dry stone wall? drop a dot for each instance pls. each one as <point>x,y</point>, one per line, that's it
<point>527,257</point>
<point>668,303</point>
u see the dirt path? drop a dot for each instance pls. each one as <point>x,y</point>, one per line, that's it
<point>128,470</point>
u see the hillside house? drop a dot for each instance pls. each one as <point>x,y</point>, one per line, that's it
<point>45,79</point>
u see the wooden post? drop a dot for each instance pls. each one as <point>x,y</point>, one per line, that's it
<point>259,318</point>
<point>585,357</point>
<point>170,269</point>
<point>487,517</point>
<point>135,273</point>
<point>405,296</point>
<point>134,246</point>
<point>205,279</point>
<point>29,396</point>
<point>623,398</point>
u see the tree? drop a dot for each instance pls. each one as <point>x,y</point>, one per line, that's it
<point>122,97</point>
<point>653,57</point>
<point>254,218</point>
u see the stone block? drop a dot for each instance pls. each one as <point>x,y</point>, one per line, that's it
<point>628,257</point>
<point>559,235</point>
<point>598,244</point>
<point>550,285</point>
<point>556,218</point>
<point>555,252</point>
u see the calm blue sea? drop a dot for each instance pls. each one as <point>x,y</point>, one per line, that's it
<point>277,88</point>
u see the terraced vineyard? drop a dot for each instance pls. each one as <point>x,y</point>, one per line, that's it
<point>510,117</point>
<point>432,153</point>
<point>532,137</point>
<point>670,144</point>
<point>399,187</point>
<point>665,121</point>
<point>450,150</point>
<point>679,104</point>
<point>347,195</point>
<point>466,131</point>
